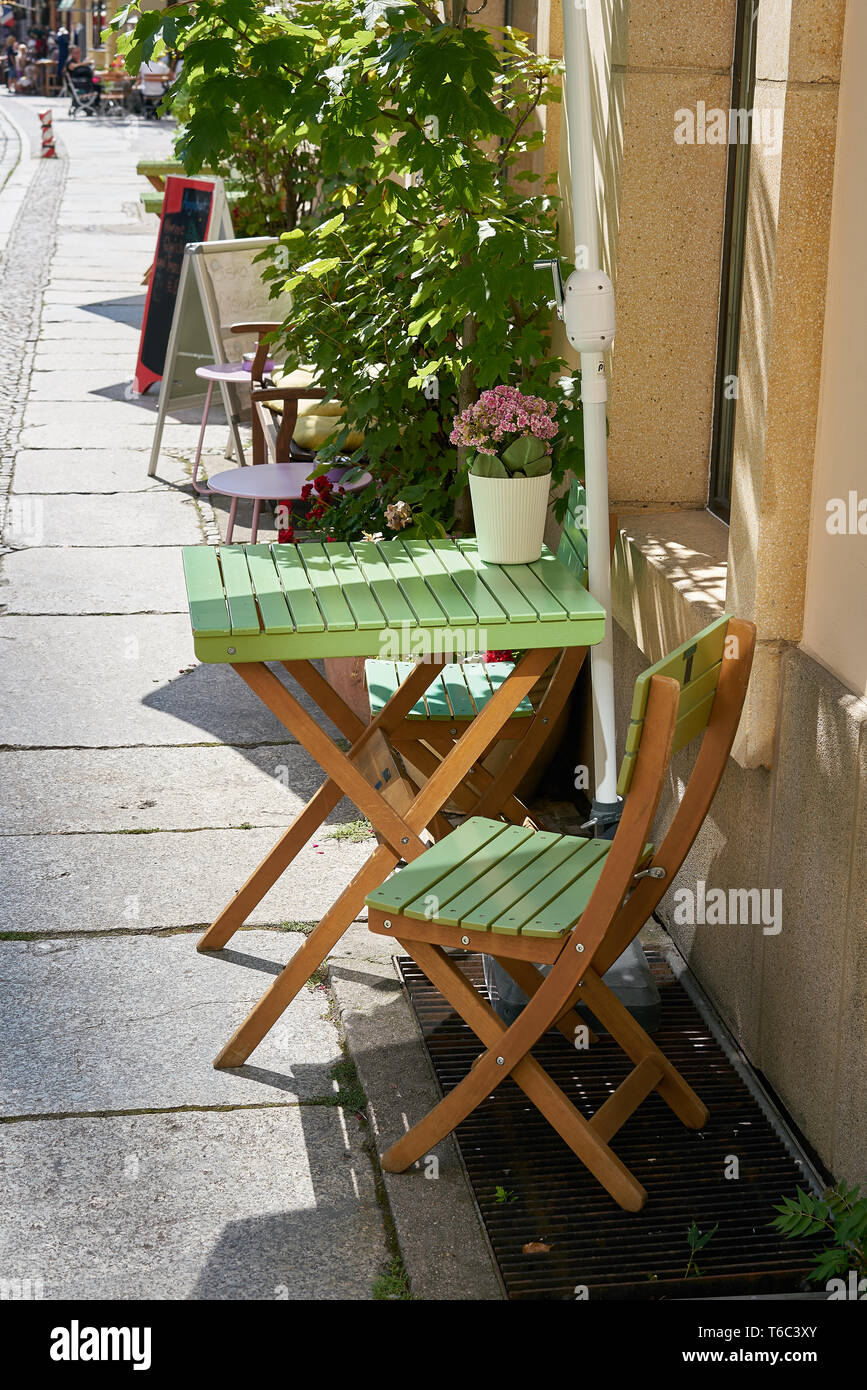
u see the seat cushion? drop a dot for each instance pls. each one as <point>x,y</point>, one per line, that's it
<point>317,420</point>
<point>504,879</point>
<point>460,691</point>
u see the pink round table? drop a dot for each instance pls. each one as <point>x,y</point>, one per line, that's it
<point>278,481</point>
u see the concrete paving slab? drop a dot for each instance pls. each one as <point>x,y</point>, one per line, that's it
<point>93,471</point>
<point>147,882</point>
<point>111,579</point>
<point>256,1204</point>
<point>109,682</point>
<point>111,312</point>
<point>91,330</point>
<point>98,789</point>
<point>99,383</point>
<point>73,520</point>
<point>441,1238</point>
<point>78,414</point>
<point>134,1023</point>
<point>105,296</point>
<point>53,355</point>
<point>132,433</point>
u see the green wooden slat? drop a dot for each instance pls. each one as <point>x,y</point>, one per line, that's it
<point>627,768</point>
<point>243,613</point>
<point>336,611</point>
<point>532,593</point>
<point>460,691</point>
<point>530,911</point>
<point>696,693</point>
<point>699,659</point>
<point>511,600</point>
<point>478,685</point>
<point>424,872</point>
<point>470,583</point>
<point>572,559</point>
<point>561,913</point>
<point>548,608</point>
<point>561,583</point>
<point>698,690</point>
<point>692,723</point>
<point>208,612</point>
<point>491,913</point>
<point>382,681</point>
<point>388,592</point>
<point>268,589</point>
<point>497,672</point>
<point>441,584</point>
<point>437,705</point>
<point>296,586</point>
<point>428,612</point>
<point>385,677</point>
<point>488,865</point>
<point>694,657</point>
<point>360,595</point>
<point>301,646</point>
<point>468,905</point>
<point>452,677</point>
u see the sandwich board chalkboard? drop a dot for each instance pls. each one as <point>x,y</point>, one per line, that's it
<point>220,284</point>
<point>191,207</point>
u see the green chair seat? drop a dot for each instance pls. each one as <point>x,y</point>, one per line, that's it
<point>508,879</point>
<point>460,691</point>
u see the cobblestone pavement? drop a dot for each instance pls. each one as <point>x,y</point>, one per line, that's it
<point>23,274</point>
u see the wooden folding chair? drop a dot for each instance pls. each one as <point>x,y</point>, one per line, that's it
<point>529,897</point>
<point>462,690</point>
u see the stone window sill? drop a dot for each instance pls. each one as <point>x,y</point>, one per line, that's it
<point>669,577</point>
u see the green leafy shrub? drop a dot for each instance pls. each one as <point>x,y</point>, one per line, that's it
<point>412,276</point>
<point>842,1212</point>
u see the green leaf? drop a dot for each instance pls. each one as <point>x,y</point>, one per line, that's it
<point>487,466</point>
<point>523,451</point>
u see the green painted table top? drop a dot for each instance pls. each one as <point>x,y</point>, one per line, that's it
<point>395,599</point>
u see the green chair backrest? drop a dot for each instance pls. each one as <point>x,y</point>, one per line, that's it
<point>696,665</point>
<point>572,551</point>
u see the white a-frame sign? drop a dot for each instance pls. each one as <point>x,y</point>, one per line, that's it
<point>220,284</point>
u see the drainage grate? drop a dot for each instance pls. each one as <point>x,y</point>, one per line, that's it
<point>550,1198</point>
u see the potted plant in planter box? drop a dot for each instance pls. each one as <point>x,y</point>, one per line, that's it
<point>508,438</point>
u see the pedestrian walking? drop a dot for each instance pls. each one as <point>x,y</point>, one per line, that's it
<point>62,40</point>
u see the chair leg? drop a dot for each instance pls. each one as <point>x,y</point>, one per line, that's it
<point>640,1048</point>
<point>528,978</point>
<point>316,947</point>
<point>534,1081</point>
<point>196,461</point>
<point>230,529</point>
<point>254,531</point>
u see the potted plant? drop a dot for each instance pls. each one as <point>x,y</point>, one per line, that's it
<point>508,438</point>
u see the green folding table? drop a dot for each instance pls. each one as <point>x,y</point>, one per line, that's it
<point>423,600</point>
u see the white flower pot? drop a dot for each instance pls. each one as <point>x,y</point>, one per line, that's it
<point>510,517</point>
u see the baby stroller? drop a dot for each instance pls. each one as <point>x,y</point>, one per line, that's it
<point>82,88</point>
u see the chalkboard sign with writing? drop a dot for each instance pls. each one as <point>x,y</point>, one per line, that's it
<point>186,216</point>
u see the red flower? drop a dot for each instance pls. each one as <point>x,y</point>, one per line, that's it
<point>499,656</point>
<point>286,536</point>
<point>306,491</point>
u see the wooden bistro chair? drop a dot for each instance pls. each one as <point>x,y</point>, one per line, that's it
<point>290,421</point>
<point>528,897</point>
<point>462,689</point>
